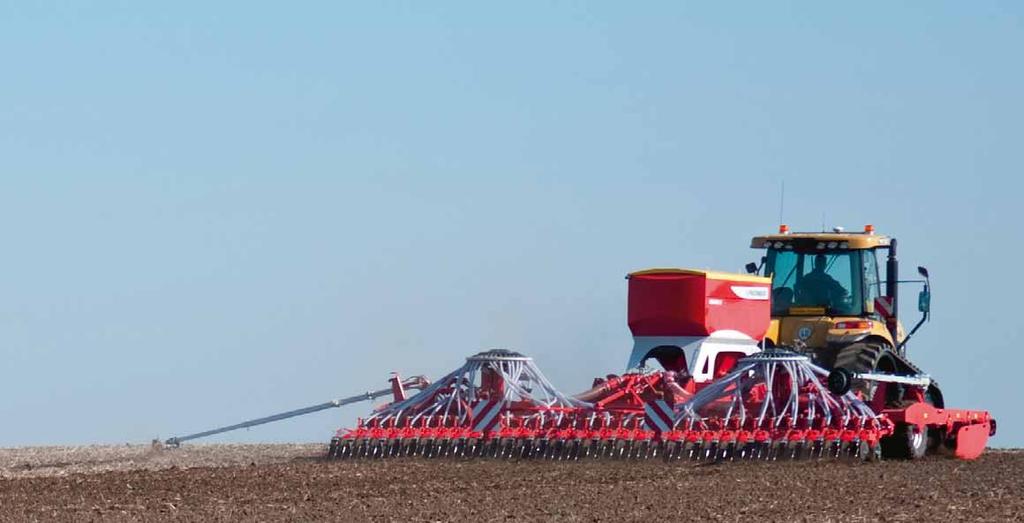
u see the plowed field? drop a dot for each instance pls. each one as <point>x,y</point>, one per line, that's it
<point>290,482</point>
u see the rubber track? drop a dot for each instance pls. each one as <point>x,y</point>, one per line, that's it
<point>862,357</point>
<point>858,357</point>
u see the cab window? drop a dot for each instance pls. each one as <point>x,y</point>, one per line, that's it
<point>819,278</point>
<point>872,283</point>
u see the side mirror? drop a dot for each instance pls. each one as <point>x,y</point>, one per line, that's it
<point>751,268</point>
<point>924,301</point>
<point>923,272</point>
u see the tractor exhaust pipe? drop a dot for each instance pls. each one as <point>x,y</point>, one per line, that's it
<point>892,278</point>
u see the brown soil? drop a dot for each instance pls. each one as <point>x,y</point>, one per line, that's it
<point>27,462</point>
<point>290,482</point>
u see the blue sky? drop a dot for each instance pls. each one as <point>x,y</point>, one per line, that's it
<point>218,211</point>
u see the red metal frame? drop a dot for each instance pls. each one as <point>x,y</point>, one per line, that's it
<point>965,431</point>
<point>621,405</point>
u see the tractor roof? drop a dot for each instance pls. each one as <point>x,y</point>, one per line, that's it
<point>853,240</point>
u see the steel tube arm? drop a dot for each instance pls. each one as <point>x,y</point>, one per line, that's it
<point>840,380</point>
<point>416,382</point>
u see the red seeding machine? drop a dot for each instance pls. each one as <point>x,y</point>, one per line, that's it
<point>704,381</point>
<point>736,401</point>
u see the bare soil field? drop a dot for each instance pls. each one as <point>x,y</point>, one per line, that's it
<point>292,482</point>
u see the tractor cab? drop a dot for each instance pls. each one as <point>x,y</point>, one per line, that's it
<point>830,301</point>
<point>828,290</point>
<point>818,275</point>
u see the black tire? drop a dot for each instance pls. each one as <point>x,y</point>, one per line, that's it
<point>933,397</point>
<point>864,357</point>
<point>906,442</point>
<point>936,435</point>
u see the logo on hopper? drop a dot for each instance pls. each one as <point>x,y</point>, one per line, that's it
<point>750,293</point>
<point>804,332</point>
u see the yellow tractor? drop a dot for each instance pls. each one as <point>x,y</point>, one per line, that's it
<point>830,301</point>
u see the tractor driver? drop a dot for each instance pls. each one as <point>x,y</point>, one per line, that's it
<point>818,288</point>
